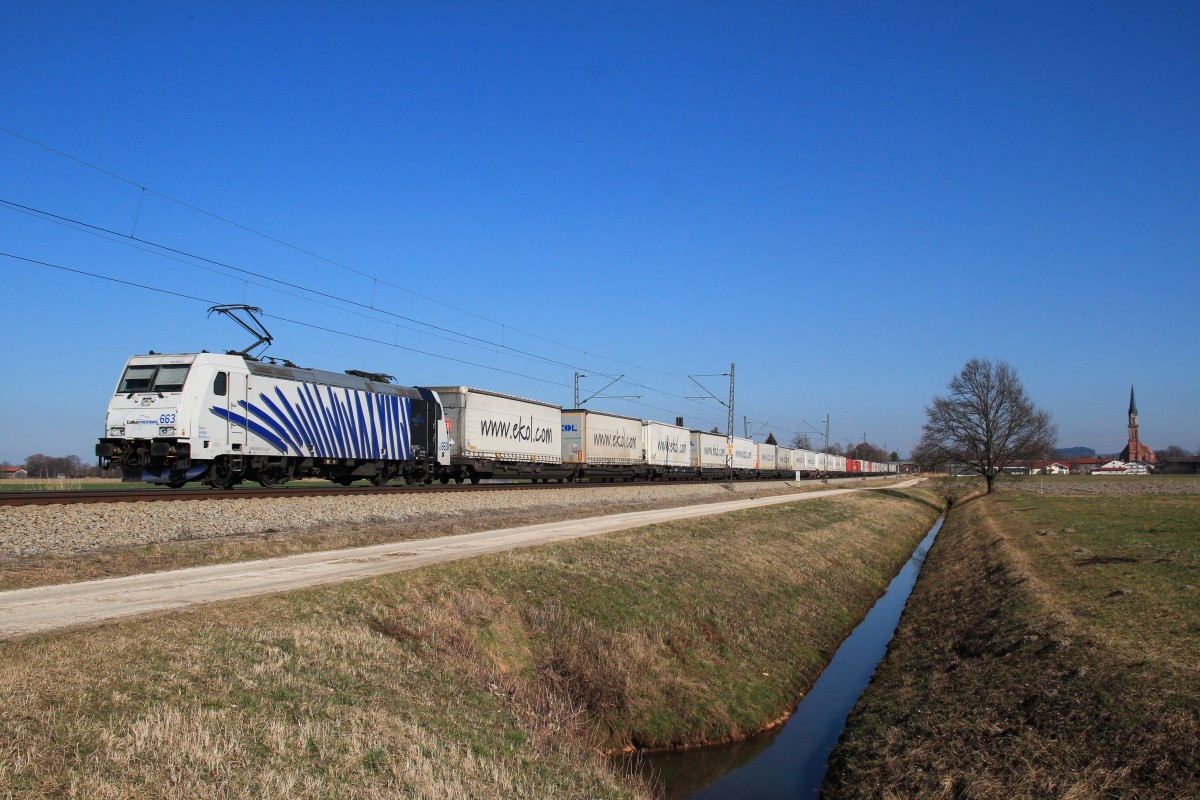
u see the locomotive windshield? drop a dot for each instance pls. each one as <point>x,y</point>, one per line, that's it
<point>153,378</point>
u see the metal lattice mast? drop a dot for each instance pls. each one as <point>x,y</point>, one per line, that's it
<point>729,426</point>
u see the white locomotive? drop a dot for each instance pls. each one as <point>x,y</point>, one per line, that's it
<point>222,419</point>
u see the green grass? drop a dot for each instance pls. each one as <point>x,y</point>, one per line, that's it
<point>1050,649</point>
<point>493,677</point>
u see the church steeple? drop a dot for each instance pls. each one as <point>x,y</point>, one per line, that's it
<point>1135,450</point>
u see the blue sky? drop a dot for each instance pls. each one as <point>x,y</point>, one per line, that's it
<point>847,200</point>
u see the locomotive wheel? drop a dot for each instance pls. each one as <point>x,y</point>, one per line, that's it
<point>271,477</point>
<point>380,478</point>
<point>220,476</point>
<point>175,484</point>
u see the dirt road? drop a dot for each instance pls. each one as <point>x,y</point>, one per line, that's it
<point>45,608</point>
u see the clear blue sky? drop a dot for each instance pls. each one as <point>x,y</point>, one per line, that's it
<point>847,200</point>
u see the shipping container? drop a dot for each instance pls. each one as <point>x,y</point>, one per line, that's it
<point>598,438</point>
<point>745,454</point>
<point>767,457</point>
<point>783,459</point>
<point>709,450</point>
<point>666,446</point>
<point>487,426</point>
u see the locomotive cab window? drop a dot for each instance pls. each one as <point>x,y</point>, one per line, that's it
<point>137,378</point>
<point>170,378</point>
<point>221,384</point>
<point>153,378</point>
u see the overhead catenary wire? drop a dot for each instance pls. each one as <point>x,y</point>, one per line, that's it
<point>448,334</point>
<point>116,236</point>
<point>311,254</point>
<point>349,334</point>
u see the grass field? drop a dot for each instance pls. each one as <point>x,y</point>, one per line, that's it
<point>495,677</point>
<point>1050,649</point>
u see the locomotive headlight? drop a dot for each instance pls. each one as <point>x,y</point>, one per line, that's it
<point>117,430</point>
<point>168,431</point>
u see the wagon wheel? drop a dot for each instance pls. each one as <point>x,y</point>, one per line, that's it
<point>175,484</point>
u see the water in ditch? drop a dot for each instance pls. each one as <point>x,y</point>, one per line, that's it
<point>791,761</point>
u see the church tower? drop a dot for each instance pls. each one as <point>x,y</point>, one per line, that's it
<point>1135,450</point>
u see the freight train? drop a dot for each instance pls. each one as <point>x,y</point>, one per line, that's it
<point>227,418</point>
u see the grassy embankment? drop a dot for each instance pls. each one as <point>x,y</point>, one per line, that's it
<point>494,677</point>
<point>1050,649</point>
<point>116,561</point>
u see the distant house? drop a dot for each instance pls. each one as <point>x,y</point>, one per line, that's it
<point>1119,467</point>
<point>1180,465</point>
<point>13,473</point>
<point>1083,466</point>
<point>1054,468</point>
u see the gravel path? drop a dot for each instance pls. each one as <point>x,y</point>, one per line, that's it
<point>38,530</point>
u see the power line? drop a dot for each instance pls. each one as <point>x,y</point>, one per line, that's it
<point>324,329</point>
<point>483,344</point>
<point>282,319</point>
<point>309,253</point>
<point>132,243</point>
<point>125,239</point>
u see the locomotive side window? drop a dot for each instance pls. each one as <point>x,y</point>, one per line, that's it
<point>221,384</point>
<point>137,378</point>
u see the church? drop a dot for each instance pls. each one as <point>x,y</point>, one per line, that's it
<point>1135,450</point>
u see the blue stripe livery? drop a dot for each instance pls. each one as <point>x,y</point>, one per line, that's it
<point>299,420</point>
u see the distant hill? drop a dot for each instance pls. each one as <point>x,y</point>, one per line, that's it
<point>1075,452</point>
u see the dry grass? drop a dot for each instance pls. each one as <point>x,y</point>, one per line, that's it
<point>26,571</point>
<point>494,677</point>
<point>1050,649</point>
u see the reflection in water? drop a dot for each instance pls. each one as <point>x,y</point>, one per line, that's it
<point>790,762</point>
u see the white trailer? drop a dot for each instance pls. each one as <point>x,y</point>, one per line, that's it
<point>594,439</point>
<point>767,457</point>
<point>667,448</point>
<point>745,455</point>
<point>807,462</point>
<point>709,452</point>
<point>499,435</point>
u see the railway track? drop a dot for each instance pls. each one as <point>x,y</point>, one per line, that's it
<point>80,496</point>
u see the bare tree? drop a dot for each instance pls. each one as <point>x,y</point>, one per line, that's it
<point>800,442</point>
<point>986,422</point>
<point>866,451</point>
<point>1172,451</point>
